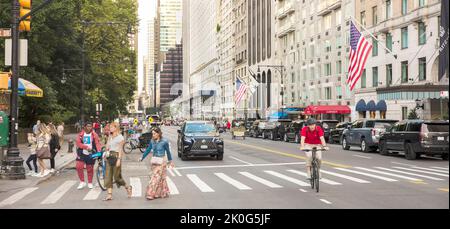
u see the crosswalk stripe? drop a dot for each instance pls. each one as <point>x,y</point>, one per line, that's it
<point>177,172</point>
<point>326,181</point>
<point>421,171</point>
<point>135,182</point>
<point>172,188</point>
<point>367,174</point>
<point>232,181</point>
<point>59,192</point>
<point>389,174</point>
<point>93,194</point>
<point>199,183</point>
<point>413,174</point>
<point>346,177</point>
<point>290,179</point>
<point>433,170</point>
<point>440,168</point>
<point>16,197</point>
<point>171,172</point>
<point>261,180</point>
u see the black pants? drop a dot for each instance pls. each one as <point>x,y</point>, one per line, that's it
<point>33,158</point>
<point>52,160</point>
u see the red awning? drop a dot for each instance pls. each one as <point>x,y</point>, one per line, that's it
<point>313,110</point>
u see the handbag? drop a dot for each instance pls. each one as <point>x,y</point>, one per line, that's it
<point>44,152</point>
<point>157,160</point>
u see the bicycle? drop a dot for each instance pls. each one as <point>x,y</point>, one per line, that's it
<point>131,144</point>
<point>100,173</point>
<point>315,170</point>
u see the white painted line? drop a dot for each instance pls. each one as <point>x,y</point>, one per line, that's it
<point>346,177</point>
<point>177,172</point>
<point>93,194</point>
<point>59,192</point>
<point>362,156</point>
<point>237,166</point>
<point>433,170</point>
<point>237,159</point>
<point>440,168</point>
<point>413,174</point>
<point>173,189</point>
<point>199,183</point>
<point>326,181</point>
<point>421,171</point>
<point>325,201</point>
<point>290,179</point>
<point>303,190</point>
<point>171,172</point>
<point>260,180</point>
<point>232,181</point>
<point>16,197</point>
<point>389,174</point>
<point>135,182</point>
<point>367,174</point>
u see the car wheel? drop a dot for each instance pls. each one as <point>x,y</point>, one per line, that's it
<point>364,146</point>
<point>184,157</point>
<point>285,138</point>
<point>345,146</point>
<point>220,157</point>
<point>383,149</point>
<point>272,136</point>
<point>263,135</point>
<point>445,157</point>
<point>409,152</point>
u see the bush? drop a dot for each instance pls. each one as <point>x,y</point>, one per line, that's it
<point>413,114</point>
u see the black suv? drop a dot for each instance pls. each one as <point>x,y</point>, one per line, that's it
<point>416,137</point>
<point>199,138</point>
<point>365,134</point>
<point>275,129</point>
<point>292,131</point>
<point>327,125</point>
<point>336,132</point>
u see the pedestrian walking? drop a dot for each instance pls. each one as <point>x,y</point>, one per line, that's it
<point>36,127</point>
<point>43,149</point>
<point>60,130</point>
<point>114,155</point>
<point>106,133</point>
<point>54,145</point>
<point>32,158</point>
<point>87,142</point>
<point>159,146</point>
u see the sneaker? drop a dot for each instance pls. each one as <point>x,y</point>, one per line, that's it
<point>46,172</point>
<point>29,173</point>
<point>81,186</point>
<point>52,171</point>
<point>90,186</point>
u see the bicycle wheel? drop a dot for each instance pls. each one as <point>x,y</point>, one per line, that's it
<point>311,170</point>
<point>101,176</point>
<point>316,178</point>
<point>127,147</point>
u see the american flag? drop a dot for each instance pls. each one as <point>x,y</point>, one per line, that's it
<point>360,49</point>
<point>241,90</point>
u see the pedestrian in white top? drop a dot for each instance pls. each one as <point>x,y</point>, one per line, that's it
<point>61,133</point>
<point>32,158</point>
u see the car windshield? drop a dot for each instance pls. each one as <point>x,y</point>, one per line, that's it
<point>431,127</point>
<point>329,124</point>
<point>200,128</point>
<point>380,124</point>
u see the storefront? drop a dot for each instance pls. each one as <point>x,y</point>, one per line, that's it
<point>337,112</point>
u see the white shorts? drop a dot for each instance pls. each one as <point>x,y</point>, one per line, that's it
<point>309,154</point>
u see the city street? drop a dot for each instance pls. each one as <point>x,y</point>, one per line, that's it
<point>257,173</point>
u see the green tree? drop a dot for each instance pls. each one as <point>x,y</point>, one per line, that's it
<point>413,115</point>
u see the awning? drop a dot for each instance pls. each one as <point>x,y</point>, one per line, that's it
<point>278,115</point>
<point>371,106</point>
<point>361,106</point>
<point>338,109</point>
<point>26,88</point>
<point>381,106</point>
<point>293,110</point>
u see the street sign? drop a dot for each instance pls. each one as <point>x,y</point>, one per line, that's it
<point>150,120</point>
<point>23,52</point>
<point>5,32</point>
<point>136,121</point>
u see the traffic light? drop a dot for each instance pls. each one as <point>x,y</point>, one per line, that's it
<point>25,7</point>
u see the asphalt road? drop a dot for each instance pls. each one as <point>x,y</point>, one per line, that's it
<point>257,173</point>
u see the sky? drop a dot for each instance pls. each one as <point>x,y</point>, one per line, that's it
<point>147,10</point>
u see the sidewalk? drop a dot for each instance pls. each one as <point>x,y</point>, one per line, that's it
<point>62,159</point>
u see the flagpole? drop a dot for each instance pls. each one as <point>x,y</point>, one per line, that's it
<point>385,48</point>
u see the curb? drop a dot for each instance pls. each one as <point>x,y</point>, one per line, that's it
<point>63,166</point>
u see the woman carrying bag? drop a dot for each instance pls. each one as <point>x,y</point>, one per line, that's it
<point>157,187</point>
<point>43,149</point>
<point>54,145</point>
<point>114,155</point>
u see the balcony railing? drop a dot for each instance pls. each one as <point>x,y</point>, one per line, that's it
<point>326,6</point>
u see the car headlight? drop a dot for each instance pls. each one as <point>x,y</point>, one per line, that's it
<point>188,140</point>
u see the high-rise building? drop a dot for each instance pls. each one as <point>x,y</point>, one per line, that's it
<point>152,58</point>
<point>172,75</point>
<point>185,108</point>
<point>170,12</point>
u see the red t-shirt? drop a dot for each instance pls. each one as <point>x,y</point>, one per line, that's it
<point>312,137</point>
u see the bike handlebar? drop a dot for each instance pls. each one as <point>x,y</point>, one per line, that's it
<point>316,149</point>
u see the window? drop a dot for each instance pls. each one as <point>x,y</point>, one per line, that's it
<point>327,46</point>
<point>338,41</point>
<point>421,3</point>
<point>328,69</point>
<point>388,9</point>
<point>404,37</point>
<point>404,71</point>
<point>414,126</point>
<point>374,47</point>
<point>388,42</point>
<point>422,68</point>
<point>404,7</point>
<point>363,18</point>
<point>339,67</point>
<point>374,16</point>
<point>375,77</point>
<point>338,16</point>
<point>327,22</point>
<point>328,93</point>
<point>339,92</point>
<point>388,74</point>
<point>422,33</point>
<point>404,113</point>
<point>402,126</point>
<point>363,79</point>
<point>293,78</point>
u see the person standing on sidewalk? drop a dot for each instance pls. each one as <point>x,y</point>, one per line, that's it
<point>87,142</point>
<point>54,145</point>
<point>33,157</point>
<point>114,149</point>
<point>60,130</point>
<point>43,140</point>
<point>36,127</point>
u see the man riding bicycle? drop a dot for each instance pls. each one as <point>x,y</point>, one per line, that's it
<point>312,136</point>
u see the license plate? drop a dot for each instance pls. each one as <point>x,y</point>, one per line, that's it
<point>440,138</point>
<point>203,147</point>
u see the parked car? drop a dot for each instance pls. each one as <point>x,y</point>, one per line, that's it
<point>199,138</point>
<point>292,132</point>
<point>248,127</point>
<point>336,132</point>
<point>365,134</point>
<point>416,138</point>
<point>327,125</point>
<point>256,129</point>
<point>275,130</point>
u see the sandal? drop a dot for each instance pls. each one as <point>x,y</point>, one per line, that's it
<point>108,197</point>
<point>130,191</point>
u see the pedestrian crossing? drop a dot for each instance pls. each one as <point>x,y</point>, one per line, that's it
<point>246,181</point>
